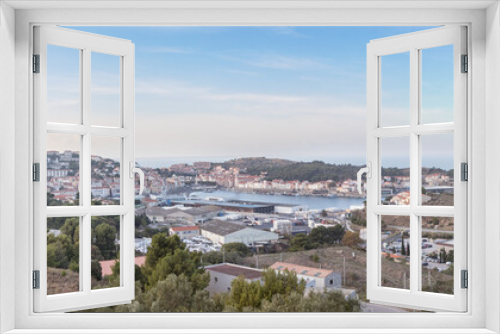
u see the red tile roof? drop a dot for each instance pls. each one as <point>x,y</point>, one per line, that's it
<point>301,270</point>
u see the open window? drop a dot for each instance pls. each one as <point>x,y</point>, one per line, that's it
<point>93,110</point>
<point>403,123</point>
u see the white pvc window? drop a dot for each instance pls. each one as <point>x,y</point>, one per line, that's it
<point>71,121</point>
<point>414,127</point>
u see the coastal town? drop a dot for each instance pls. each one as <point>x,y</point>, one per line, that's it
<point>324,247</point>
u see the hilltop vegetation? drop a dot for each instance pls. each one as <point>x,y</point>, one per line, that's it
<point>314,171</point>
<point>288,170</point>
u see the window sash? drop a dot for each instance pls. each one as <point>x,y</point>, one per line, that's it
<point>452,13</point>
<point>413,43</point>
<point>85,298</point>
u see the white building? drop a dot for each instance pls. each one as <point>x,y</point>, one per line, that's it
<point>224,232</point>
<point>223,274</point>
<point>282,226</point>
<point>289,208</point>
<point>315,278</point>
<point>142,244</point>
<point>185,232</point>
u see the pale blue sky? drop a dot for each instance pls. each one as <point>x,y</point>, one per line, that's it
<point>287,92</point>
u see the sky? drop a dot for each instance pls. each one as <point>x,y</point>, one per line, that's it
<point>213,93</point>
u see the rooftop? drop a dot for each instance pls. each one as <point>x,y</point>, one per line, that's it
<point>302,270</point>
<point>185,228</point>
<point>222,228</point>
<point>235,270</point>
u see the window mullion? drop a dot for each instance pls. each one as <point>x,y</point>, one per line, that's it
<point>414,167</point>
<point>85,176</point>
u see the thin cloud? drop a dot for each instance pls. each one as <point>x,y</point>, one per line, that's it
<point>241,72</point>
<point>280,62</point>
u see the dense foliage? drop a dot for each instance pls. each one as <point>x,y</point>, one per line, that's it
<point>319,236</point>
<point>173,281</point>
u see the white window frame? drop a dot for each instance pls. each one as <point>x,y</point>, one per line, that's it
<point>86,44</point>
<point>413,44</point>
<point>484,51</point>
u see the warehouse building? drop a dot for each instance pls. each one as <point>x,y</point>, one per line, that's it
<point>224,232</point>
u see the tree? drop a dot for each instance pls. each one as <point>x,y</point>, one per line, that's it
<point>351,239</point>
<point>240,248</point>
<point>324,214</point>
<point>300,242</point>
<point>104,236</point>
<point>408,249</point>
<point>334,234</point>
<point>403,248</point>
<point>96,270</point>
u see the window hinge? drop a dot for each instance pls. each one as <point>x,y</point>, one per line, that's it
<point>36,279</point>
<point>36,172</point>
<point>465,279</point>
<point>36,63</point>
<point>464,171</point>
<point>465,64</point>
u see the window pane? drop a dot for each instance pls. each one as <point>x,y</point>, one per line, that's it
<point>106,170</point>
<point>105,90</point>
<point>63,85</point>
<point>63,255</point>
<point>395,237</point>
<point>63,169</point>
<point>437,84</point>
<point>437,254</point>
<point>395,89</point>
<point>105,252</point>
<point>395,162</point>
<point>437,169</point>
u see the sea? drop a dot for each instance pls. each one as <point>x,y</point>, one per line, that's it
<point>312,202</point>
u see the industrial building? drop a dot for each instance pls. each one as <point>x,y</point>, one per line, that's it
<point>244,206</point>
<point>224,232</point>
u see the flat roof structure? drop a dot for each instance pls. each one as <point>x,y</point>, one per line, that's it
<point>235,270</point>
<point>221,227</point>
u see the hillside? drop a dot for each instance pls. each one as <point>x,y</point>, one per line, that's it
<point>314,171</point>
<point>288,170</point>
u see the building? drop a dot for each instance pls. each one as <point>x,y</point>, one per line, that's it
<point>185,232</point>
<point>234,206</point>
<point>158,214</point>
<point>197,215</point>
<point>282,226</point>
<point>315,278</point>
<point>223,274</point>
<point>289,208</point>
<point>142,244</point>
<point>224,232</point>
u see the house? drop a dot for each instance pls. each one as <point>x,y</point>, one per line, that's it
<point>223,274</point>
<point>315,278</point>
<point>224,232</point>
<point>185,232</point>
